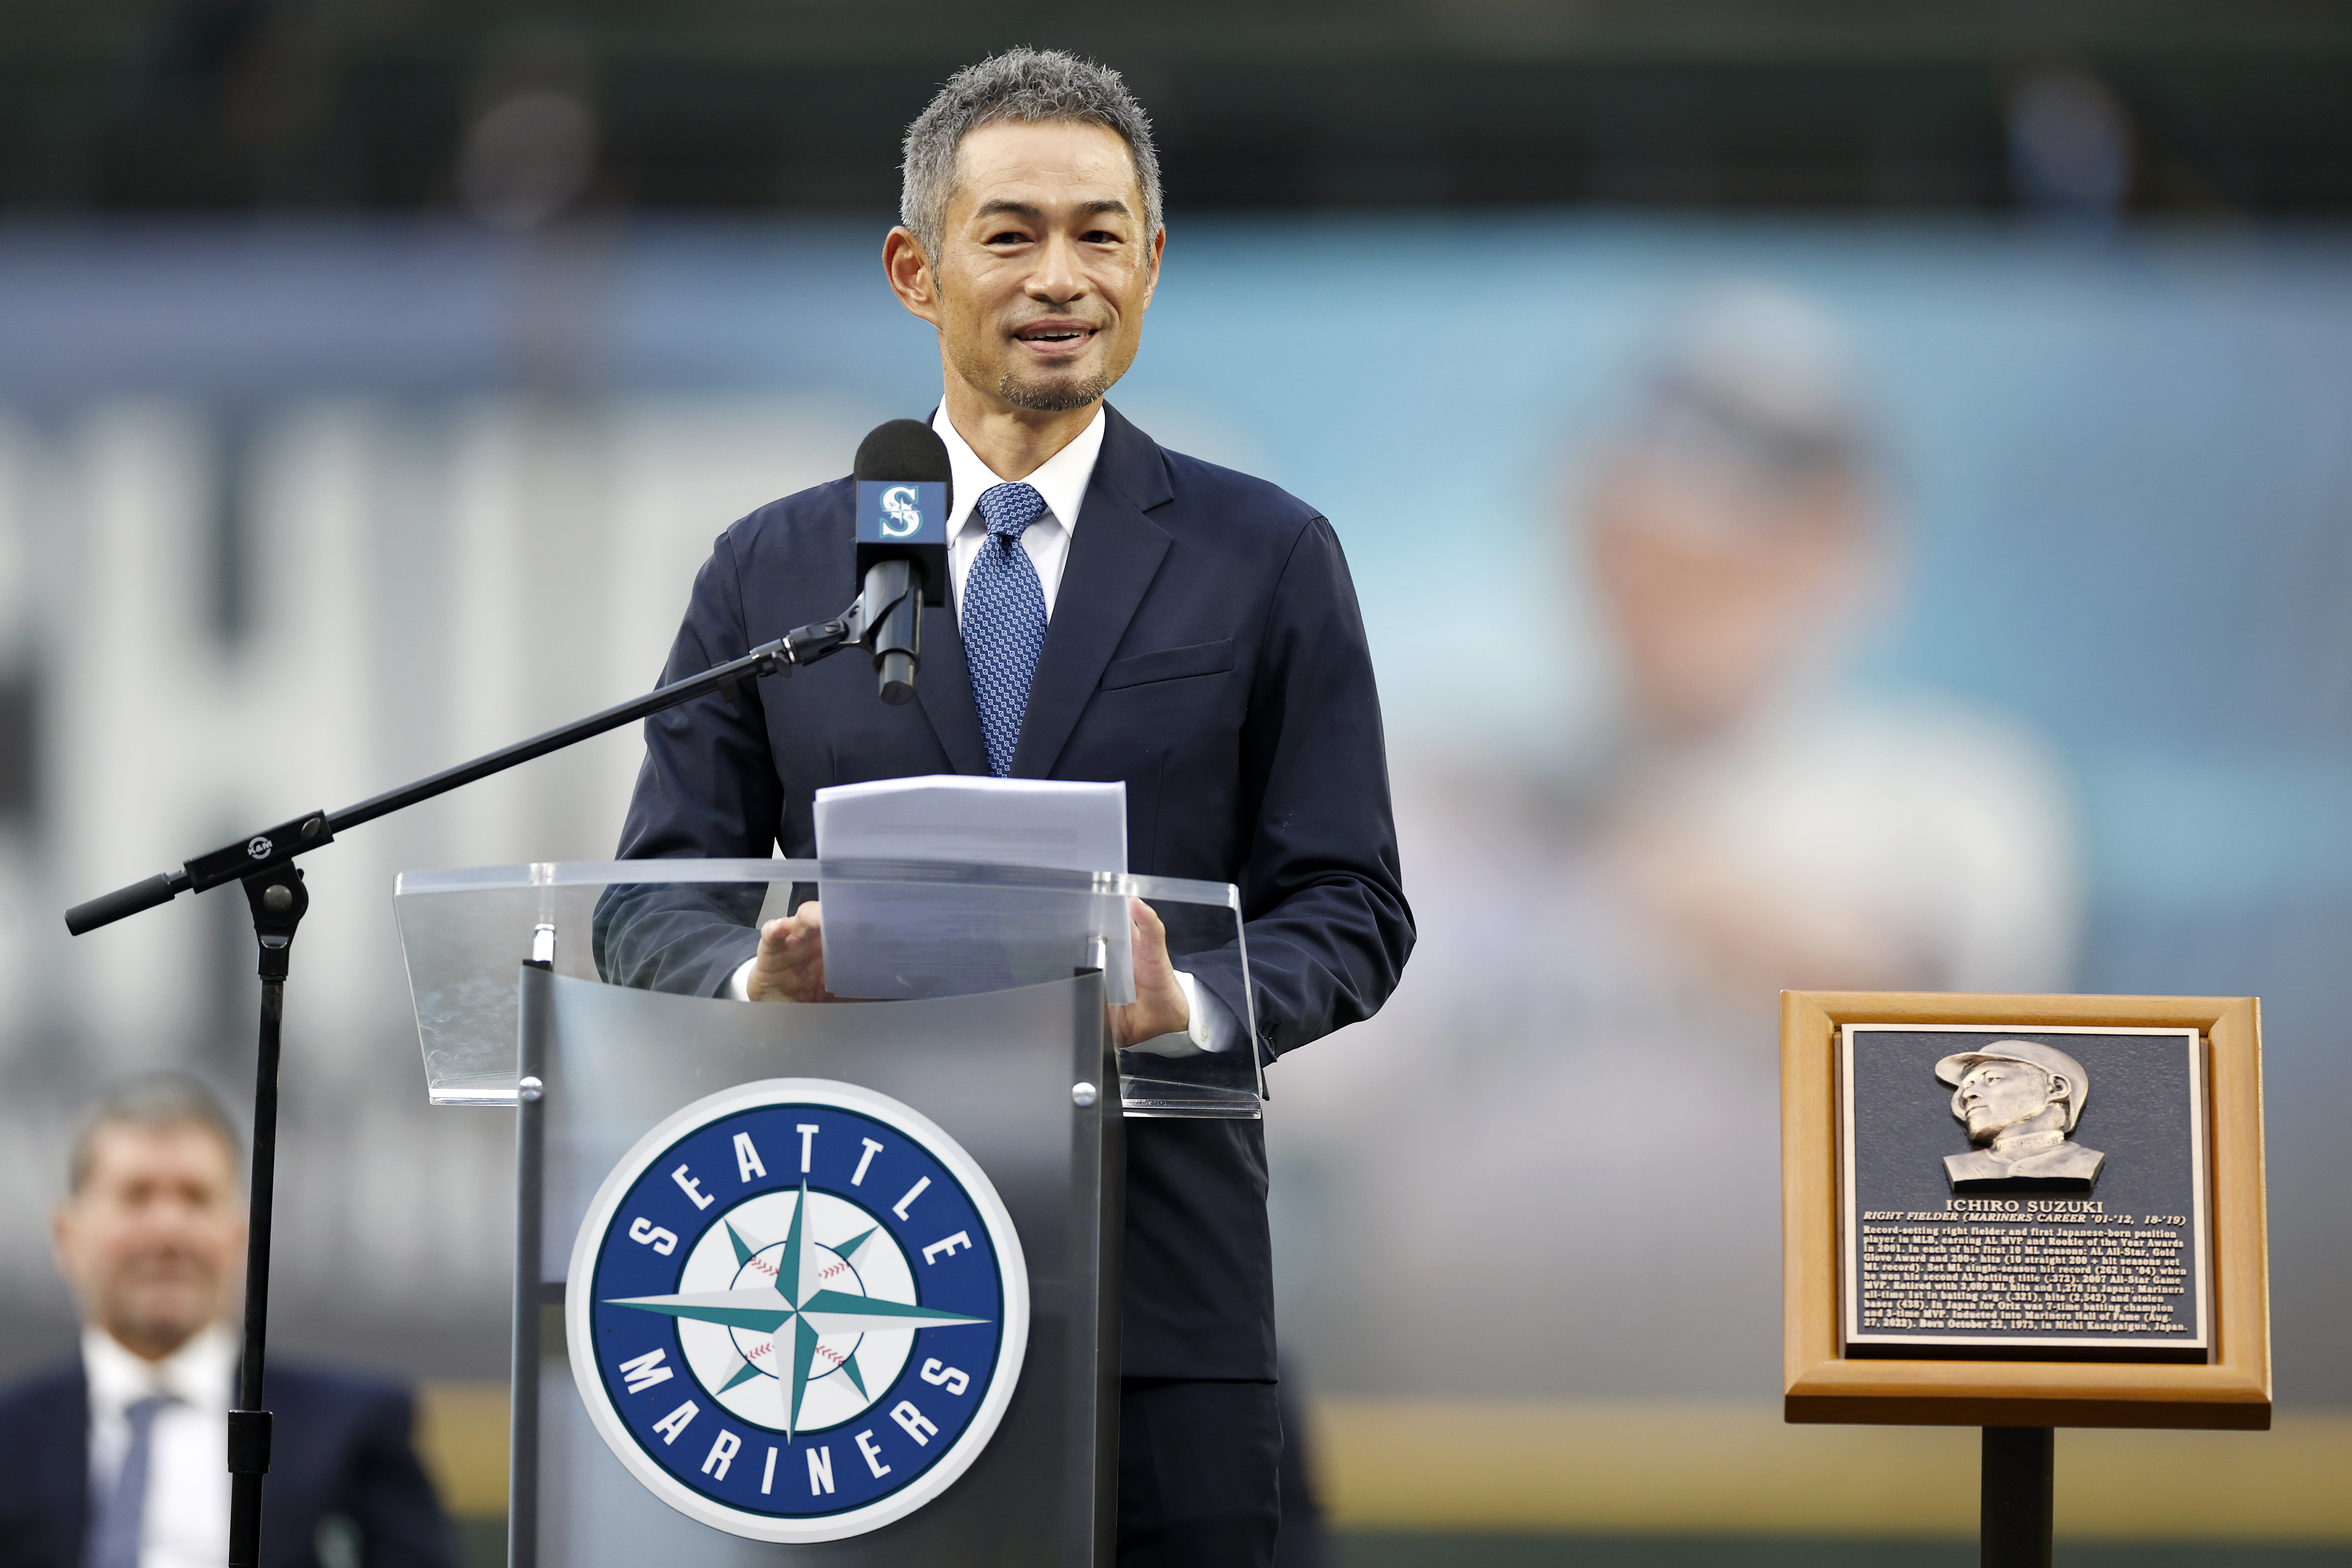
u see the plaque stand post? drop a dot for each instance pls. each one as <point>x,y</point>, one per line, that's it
<point>2014,1531</point>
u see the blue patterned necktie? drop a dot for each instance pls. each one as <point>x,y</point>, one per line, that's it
<point>114,1543</point>
<point>1004,620</point>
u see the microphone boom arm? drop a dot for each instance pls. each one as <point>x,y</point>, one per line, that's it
<point>277,845</point>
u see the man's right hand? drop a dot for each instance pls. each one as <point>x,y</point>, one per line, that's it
<point>790,965</point>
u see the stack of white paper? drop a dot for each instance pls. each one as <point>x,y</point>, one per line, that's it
<point>896,941</point>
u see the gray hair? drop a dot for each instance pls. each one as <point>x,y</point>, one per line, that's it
<point>1033,87</point>
<point>154,1100</point>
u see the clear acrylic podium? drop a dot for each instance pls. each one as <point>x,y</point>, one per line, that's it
<point>567,993</point>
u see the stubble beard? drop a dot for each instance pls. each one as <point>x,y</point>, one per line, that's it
<point>1054,396</point>
<point>163,1315</point>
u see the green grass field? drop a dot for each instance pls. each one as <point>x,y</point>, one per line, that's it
<point>1414,1550</point>
<point>483,1543</point>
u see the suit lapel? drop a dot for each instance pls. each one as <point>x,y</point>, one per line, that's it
<point>1115,552</point>
<point>943,685</point>
<point>64,1485</point>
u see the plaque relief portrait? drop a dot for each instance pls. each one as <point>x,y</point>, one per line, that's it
<point>2019,1100</point>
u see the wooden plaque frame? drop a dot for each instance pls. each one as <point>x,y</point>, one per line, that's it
<point>1822,1385</point>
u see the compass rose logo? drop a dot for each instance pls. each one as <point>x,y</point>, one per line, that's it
<point>797,1309</point>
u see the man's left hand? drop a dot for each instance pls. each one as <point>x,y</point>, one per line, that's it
<point>1158,1007</point>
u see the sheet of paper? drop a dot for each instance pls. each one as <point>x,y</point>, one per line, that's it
<point>885,941</point>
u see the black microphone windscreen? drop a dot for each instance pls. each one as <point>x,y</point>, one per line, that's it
<point>906,493</point>
<point>904,449</point>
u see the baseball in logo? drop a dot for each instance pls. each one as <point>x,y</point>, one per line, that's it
<point>796,1309</point>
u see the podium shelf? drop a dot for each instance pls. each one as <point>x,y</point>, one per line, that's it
<point>895,931</point>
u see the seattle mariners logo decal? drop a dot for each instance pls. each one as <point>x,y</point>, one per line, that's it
<point>797,1309</point>
<point>899,506</point>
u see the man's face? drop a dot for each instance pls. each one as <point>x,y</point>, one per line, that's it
<point>1046,268</point>
<point>149,1242</point>
<point>1719,591</point>
<point>1995,1096</point>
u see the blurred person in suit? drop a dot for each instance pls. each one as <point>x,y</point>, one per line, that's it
<point>117,1459</point>
<point>1588,1032</point>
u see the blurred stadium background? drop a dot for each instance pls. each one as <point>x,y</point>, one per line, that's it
<point>374,374</point>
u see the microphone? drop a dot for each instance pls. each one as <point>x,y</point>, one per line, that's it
<point>904,489</point>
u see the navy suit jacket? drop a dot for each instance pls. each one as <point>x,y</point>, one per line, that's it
<point>1205,648</point>
<point>339,1444</point>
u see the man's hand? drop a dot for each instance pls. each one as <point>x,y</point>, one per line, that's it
<point>790,962</point>
<point>1158,1007</point>
<point>789,967</point>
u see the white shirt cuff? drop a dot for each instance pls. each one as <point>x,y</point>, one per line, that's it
<point>738,984</point>
<point>1211,1028</point>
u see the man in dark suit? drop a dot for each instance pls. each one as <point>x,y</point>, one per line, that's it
<point>1119,612</point>
<point>117,1458</point>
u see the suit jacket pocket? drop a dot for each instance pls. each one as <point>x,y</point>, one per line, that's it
<point>1170,664</point>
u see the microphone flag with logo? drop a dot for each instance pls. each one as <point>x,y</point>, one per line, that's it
<point>904,489</point>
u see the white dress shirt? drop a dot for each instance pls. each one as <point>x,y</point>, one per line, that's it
<point>1062,480</point>
<point>185,1523</point>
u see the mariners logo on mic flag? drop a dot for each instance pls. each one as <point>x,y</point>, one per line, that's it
<point>901,516</point>
<point>797,1309</point>
<point>894,512</point>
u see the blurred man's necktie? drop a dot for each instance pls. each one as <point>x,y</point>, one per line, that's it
<point>114,1535</point>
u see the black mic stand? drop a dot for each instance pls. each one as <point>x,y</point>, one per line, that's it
<point>264,862</point>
